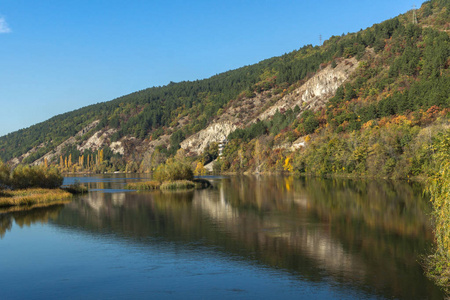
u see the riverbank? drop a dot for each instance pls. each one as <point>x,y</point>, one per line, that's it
<point>34,196</point>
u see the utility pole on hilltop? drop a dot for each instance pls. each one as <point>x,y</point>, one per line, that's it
<point>320,40</point>
<point>414,15</point>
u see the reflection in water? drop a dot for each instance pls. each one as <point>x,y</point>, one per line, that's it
<point>28,217</point>
<point>364,234</point>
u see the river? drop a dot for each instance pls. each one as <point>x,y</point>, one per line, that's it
<point>247,238</point>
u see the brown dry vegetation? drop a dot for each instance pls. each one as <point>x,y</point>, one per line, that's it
<point>30,197</point>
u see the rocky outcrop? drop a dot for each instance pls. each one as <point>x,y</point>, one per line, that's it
<point>238,113</point>
<point>70,141</point>
<point>97,140</point>
<point>313,94</point>
<point>117,147</point>
<point>214,133</point>
<point>316,91</point>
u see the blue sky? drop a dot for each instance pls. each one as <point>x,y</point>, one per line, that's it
<point>57,56</point>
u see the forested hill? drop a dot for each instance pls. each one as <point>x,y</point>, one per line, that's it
<point>400,76</point>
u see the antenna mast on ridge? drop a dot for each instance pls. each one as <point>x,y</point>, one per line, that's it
<point>414,15</point>
<point>320,40</point>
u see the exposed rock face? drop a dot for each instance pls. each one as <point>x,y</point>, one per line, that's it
<point>214,133</point>
<point>316,91</point>
<point>240,112</point>
<point>117,147</point>
<point>313,95</point>
<point>97,140</point>
<point>70,141</point>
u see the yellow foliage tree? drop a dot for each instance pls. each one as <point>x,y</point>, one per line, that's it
<point>199,169</point>
<point>100,156</point>
<point>287,165</point>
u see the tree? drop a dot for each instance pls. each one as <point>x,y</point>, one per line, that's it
<point>4,175</point>
<point>199,169</point>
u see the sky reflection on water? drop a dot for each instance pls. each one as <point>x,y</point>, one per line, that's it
<point>272,237</point>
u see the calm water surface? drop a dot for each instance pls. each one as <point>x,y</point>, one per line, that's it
<point>248,237</point>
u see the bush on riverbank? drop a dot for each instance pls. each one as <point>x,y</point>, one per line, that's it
<point>438,264</point>
<point>76,188</point>
<point>173,170</point>
<point>4,175</point>
<point>24,177</point>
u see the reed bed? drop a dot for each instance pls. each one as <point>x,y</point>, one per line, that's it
<point>32,197</point>
<point>143,186</point>
<point>178,185</point>
<point>166,185</point>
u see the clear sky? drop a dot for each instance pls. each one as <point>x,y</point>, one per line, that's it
<point>60,55</point>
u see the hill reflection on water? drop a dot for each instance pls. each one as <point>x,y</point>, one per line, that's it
<point>365,234</point>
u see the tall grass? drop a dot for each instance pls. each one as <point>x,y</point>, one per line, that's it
<point>143,186</point>
<point>177,185</point>
<point>32,197</point>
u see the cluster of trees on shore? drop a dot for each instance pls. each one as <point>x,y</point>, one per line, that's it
<point>23,177</point>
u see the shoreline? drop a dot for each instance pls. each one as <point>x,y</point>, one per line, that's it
<point>33,197</point>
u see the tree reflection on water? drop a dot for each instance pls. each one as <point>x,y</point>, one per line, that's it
<point>366,234</point>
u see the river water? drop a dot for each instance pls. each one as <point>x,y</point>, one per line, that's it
<point>246,238</point>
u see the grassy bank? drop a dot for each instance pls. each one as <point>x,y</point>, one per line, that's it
<point>35,196</point>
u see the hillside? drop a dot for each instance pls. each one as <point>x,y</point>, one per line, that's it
<point>365,103</point>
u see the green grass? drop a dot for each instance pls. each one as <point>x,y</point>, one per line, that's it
<point>34,196</point>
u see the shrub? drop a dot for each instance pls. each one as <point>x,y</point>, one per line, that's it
<point>76,188</point>
<point>24,177</point>
<point>438,264</point>
<point>4,175</point>
<point>173,170</point>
